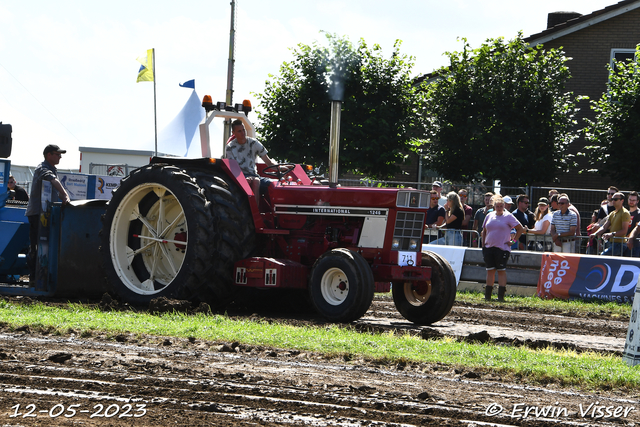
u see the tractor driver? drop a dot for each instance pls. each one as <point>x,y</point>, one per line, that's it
<point>244,150</point>
<point>44,171</point>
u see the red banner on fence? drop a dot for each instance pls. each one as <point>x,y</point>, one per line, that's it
<point>557,274</point>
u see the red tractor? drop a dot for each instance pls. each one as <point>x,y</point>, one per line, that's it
<point>191,228</point>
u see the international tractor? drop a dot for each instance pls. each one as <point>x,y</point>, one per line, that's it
<point>193,229</point>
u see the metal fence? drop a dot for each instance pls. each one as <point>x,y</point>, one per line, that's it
<point>467,238</point>
<point>586,200</point>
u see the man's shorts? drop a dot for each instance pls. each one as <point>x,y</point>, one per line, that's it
<point>495,258</point>
<point>264,182</point>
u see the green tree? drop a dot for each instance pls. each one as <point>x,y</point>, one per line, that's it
<point>379,113</point>
<point>613,136</point>
<point>500,112</point>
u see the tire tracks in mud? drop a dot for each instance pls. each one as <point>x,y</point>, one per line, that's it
<point>501,324</point>
<point>201,383</point>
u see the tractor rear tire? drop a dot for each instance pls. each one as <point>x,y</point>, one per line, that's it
<point>424,303</point>
<point>341,285</point>
<point>156,236</point>
<point>235,232</point>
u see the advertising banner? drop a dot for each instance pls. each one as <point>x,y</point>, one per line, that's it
<point>631,353</point>
<point>75,184</point>
<point>587,277</point>
<point>453,254</point>
<point>105,185</point>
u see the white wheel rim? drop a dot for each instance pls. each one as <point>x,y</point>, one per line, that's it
<point>417,296</point>
<point>334,286</point>
<point>163,239</point>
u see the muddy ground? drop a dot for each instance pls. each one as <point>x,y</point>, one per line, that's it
<point>47,379</point>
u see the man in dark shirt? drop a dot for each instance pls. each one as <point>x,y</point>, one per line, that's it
<point>435,217</point>
<point>19,193</point>
<point>468,214</point>
<point>632,201</point>
<point>605,210</point>
<point>480,215</point>
<point>45,171</point>
<point>525,216</point>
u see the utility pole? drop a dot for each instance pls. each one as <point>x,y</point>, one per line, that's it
<point>230,67</point>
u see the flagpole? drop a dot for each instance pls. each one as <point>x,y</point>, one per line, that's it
<point>155,114</point>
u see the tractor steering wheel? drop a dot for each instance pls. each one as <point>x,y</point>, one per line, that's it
<point>276,172</point>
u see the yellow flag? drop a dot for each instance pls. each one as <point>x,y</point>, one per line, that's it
<point>145,74</point>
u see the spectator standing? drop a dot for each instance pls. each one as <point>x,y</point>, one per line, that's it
<point>437,185</point>
<point>632,201</point>
<point>454,215</point>
<point>435,216</point>
<point>578,225</point>
<point>542,226</point>
<point>632,244</point>
<point>496,245</point>
<point>563,227</point>
<point>552,192</point>
<point>605,210</point>
<point>45,171</point>
<point>463,194</point>
<point>481,214</point>
<point>508,203</point>
<point>617,223</point>
<point>592,247</point>
<point>553,203</point>
<point>525,217</point>
<point>19,193</point>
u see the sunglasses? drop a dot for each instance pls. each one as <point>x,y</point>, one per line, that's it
<point>434,198</point>
<point>562,203</point>
<point>611,194</point>
<point>617,198</point>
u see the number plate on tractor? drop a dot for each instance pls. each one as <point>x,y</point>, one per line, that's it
<point>407,258</point>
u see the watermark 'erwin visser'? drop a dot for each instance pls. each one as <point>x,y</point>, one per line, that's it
<point>592,410</point>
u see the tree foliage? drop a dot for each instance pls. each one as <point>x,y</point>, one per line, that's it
<point>500,112</point>
<point>613,135</point>
<point>379,112</point>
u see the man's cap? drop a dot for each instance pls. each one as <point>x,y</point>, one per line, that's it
<point>436,184</point>
<point>51,148</point>
<point>507,199</point>
<point>543,201</point>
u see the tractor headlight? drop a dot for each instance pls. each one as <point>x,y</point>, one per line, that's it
<point>395,244</point>
<point>413,245</point>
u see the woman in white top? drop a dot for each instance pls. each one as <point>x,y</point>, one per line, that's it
<point>543,226</point>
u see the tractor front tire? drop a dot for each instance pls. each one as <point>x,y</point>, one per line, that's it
<point>426,303</point>
<point>341,285</point>
<point>156,236</point>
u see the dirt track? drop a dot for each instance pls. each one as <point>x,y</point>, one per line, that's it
<point>153,381</point>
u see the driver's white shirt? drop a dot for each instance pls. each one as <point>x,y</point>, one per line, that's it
<point>245,154</point>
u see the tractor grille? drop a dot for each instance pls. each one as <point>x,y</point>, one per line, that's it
<point>407,235</point>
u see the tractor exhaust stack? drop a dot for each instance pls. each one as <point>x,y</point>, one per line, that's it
<point>334,142</point>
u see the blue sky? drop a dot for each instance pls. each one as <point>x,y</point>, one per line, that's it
<point>68,68</point>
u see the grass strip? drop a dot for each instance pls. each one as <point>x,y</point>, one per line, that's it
<point>585,370</point>
<point>578,307</point>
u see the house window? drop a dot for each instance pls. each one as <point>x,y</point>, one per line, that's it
<point>621,55</point>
